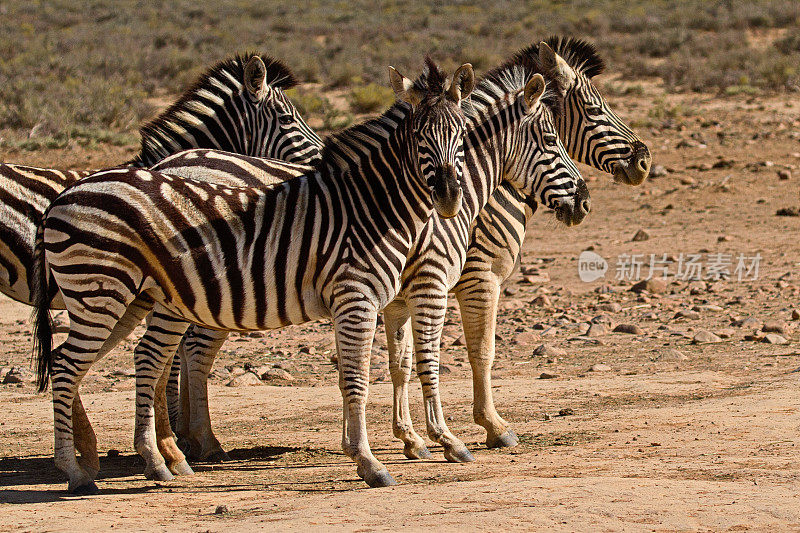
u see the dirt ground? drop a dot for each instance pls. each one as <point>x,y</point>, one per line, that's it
<point>651,430</point>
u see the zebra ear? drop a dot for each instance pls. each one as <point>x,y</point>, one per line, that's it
<point>255,78</point>
<point>554,63</point>
<point>403,87</point>
<point>533,91</point>
<point>463,83</point>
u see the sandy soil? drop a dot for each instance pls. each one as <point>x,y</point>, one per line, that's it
<point>665,434</point>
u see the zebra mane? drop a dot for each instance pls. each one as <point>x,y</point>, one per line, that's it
<point>579,54</point>
<point>510,78</point>
<point>431,82</point>
<point>228,73</point>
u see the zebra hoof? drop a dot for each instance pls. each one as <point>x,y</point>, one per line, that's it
<point>458,455</point>
<point>508,439</point>
<point>218,456</point>
<point>159,473</point>
<point>412,452</point>
<point>86,489</point>
<point>380,479</point>
<point>181,469</point>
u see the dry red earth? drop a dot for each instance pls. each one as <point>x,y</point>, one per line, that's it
<point>665,434</point>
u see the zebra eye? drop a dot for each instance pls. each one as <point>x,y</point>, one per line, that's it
<point>550,139</point>
<point>285,120</point>
<point>594,110</point>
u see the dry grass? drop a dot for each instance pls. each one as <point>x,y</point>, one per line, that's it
<point>78,68</point>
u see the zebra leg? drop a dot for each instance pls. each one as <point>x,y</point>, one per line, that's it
<point>399,341</point>
<point>355,330</point>
<point>202,346</point>
<point>176,461</point>
<point>150,357</point>
<point>172,390</point>
<point>427,315</point>
<point>478,304</point>
<point>83,434</point>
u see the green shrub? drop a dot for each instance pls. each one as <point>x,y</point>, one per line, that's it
<point>371,98</point>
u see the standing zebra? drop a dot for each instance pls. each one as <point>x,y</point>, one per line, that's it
<point>332,242</point>
<point>593,134</point>
<point>238,105</point>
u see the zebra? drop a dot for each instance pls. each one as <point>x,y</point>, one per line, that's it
<point>238,105</point>
<point>331,242</point>
<point>593,134</point>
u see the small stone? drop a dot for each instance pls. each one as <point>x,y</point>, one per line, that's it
<point>631,329</point>
<point>596,330</point>
<point>541,277</point>
<point>600,367</point>
<point>444,369</point>
<point>788,212</point>
<point>724,238</point>
<point>527,338</point>
<point>774,326</point>
<point>461,341</point>
<point>653,286</point>
<point>18,374</point>
<point>705,337</point>
<point>602,319</point>
<point>542,301</point>
<point>124,373</point>
<point>658,171</point>
<point>113,452</point>
<point>236,371</point>
<point>795,314</point>
<point>548,350</point>
<point>244,380</point>
<point>726,333</point>
<point>220,374</point>
<point>688,314</point>
<point>310,350</point>
<point>583,328</point>
<point>510,291</point>
<point>566,412</point>
<point>686,180</point>
<point>612,307</point>
<point>774,338</point>
<point>547,375</point>
<point>784,174</point>
<point>672,355</point>
<point>748,322</point>
<point>256,334</point>
<point>221,509</point>
<point>277,374</point>
<point>640,236</point>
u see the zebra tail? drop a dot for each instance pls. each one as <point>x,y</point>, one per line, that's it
<point>42,321</point>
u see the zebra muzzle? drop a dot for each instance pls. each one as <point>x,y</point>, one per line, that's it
<point>635,169</point>
<point>446,192</point>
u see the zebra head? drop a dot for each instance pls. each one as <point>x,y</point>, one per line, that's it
<point>238,106</point>
<point>438,127</point>
<point>594,135</point>
<point>538,164</point>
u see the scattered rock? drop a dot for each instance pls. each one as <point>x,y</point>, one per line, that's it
<point>542,301</point>
<point>566,412</point>
<point>527,338</point>
<point>748,322</point>
<point>18,374</point>
<point>612,307</point>
<point>640,236</point>
<point>602,319</point>
<point>686,180</point>
<point>784,174</point>
<point>672,355</point>
<point>726,333</point>
<point>658,171</point>
<point>600,367</point>
<point>583,328</point>
<point>548,350</point>
<point>244,380</point>
<point>653,286</point>
<point>795,314</point>
<point>277,374</point>
<point>596,330</point>
<point>631,329</point>
<point>220,374</point>
<point>461,341</point>
<point>705,337</point>
<point>688,314</point>
<point>221,509</point>
<point>443,369</point>
<point>124,373</point>
<point>774,338</point>
<point>547,375</point>
<point>113,452</point>
<point>788,212</point>
<point>774,326</point>
<point>724,238</point>
<point>510,290</point>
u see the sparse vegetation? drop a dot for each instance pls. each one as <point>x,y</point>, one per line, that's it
<point>96,65</point>
<point>371,98</point>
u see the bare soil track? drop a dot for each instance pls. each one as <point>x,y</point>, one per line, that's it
<point>665,434</point>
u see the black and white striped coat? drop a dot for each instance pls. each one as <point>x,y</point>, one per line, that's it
<point>332,242</point>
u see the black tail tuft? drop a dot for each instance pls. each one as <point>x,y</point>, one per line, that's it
<point>42,322</point>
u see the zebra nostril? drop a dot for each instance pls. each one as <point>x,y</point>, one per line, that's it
<point>586,205</point>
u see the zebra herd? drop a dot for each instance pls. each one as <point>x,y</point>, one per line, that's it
<point>236,216</point>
